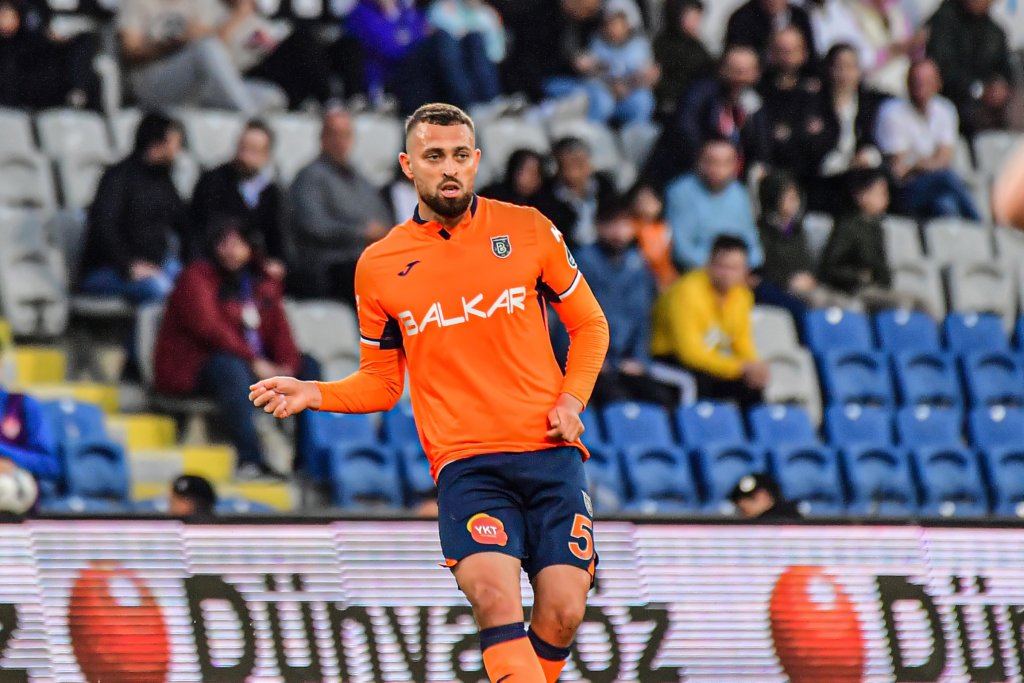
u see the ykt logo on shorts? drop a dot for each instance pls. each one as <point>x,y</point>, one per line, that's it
<point>487,530</point>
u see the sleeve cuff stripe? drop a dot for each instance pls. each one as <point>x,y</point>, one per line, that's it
<point>370,342</point>
<point>572,287</point>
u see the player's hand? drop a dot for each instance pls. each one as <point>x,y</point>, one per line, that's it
<point>285,396</point>
<point>564,419</point>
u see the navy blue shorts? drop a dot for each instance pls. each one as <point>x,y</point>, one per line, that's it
<point>534,506</point>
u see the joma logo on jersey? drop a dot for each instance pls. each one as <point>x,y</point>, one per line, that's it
<point>508,301</point>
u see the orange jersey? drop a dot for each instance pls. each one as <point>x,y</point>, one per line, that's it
<point>465,310</point>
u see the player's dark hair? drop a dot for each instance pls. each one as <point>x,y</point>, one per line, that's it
<point>257,124</point>
<point>724,243</point>
<point>153,130</point>
<point>439,114</point>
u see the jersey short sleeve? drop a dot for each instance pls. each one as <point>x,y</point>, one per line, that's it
<point>377,329</point>
<point>559,273</point>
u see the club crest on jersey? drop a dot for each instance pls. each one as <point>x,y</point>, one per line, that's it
<point>501,247</point>
<point>568,256</point>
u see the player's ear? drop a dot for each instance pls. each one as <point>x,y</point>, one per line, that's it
<point>404,161</point>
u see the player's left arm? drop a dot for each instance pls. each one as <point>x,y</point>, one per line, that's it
<point>586,324</point>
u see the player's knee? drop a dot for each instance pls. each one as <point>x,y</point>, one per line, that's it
<point>561,618</point>
<point>493,602</point>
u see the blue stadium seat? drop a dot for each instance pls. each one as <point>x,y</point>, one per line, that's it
<point>637,424</point>
<point>159,505</point>
<point>721,465</point>
<point>951,483</point>
<point>326,430</point>
<point>854,425</point>
<point>661,482</point>
<point>778,425</point>
<point>834,329</point>
<point>82,505</point>
<point>970,332</point>
<point>994,378</point>
<point>364,478</point>
<point>95,466</point>
<point>605,479</point>
<point>927,426</point>
<point>879,481</point>
<point>900,330</point>
<point>809,474</point>
<point>240,506</point>
<point>927,378</point>
<point>1019,334</point>
<point>996,427</point>
<point>74,421</point>
<point>998,433</point>
<point>593,435</point>
<point>708,422</point>
<point>399,430</point>
<point>399,426</point>
<point>856,377</point>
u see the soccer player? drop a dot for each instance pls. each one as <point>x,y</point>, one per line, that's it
<point>457,293</point>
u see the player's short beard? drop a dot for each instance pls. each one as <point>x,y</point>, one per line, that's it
<point>448,207</point>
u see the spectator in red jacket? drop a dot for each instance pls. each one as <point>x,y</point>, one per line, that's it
<point>225,328</point>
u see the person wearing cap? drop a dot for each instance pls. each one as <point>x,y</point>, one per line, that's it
<point>757,496</point>
<point>192,497</point>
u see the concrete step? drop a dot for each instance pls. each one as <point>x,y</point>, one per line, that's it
<point>85,392</point>
<point>161,465</point>
<point>40,364</point>
<point>143,431</point>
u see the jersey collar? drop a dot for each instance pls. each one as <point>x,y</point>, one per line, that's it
<point>444,233</point>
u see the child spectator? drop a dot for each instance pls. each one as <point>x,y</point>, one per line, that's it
<point>624,66</point>
<point>680,54</point>
<point>654,235</point>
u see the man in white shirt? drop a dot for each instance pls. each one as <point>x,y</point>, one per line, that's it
<point>918,136</point>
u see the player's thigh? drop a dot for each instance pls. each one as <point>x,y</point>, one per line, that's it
<point>491,584</point>
<point>559,602</point>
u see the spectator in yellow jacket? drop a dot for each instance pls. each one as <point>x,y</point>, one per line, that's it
<point>702,323</point>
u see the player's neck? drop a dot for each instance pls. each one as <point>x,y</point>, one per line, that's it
<point>427,214</point>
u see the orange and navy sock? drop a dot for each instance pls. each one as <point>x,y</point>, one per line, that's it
<point>552,658</point>
<point>509,656</point>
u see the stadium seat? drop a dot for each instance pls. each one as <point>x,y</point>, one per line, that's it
<point>399,429</point>
<point>853,425</point>
<point>33,289</point>
<point>996,427</point>
<point>774,330</point>
<point>96,470</point>
<point>27,181</point>
<point>158,506</point>
<point>902,240</point>
<point>326,430</point>
<point>951,483</point>
<point>592,432</point>
<point>364,478</point>
<point>498,139</point>
<point>296,143</point>
<point>240,506</point>
<point>185,174</point>
<point>17,140</point>
<point>927,378</point>
<point>629,424</point>
<point>211,135</point>
<point>327,331</point>
<point>834,329</point>
<point>997,432</point>
<point>969,332</point>
<point>958,241</point>
<point>79,177</point>
<point>123,124</point>
<point>906,331</point>
<point>707,423</point>
<point>983,288</point>
<point>922,279</point>
<point>774,426</point>
<point>721,465</point>
<point>661,482</point>
<point>604,148</point>
<point>817,229</point>
<point>927,426</point>
<point>809,474</point>
<point>605,479</point>
<point>992,148</point>
<point>856,377</point>
<point>82,505</point>
<point>398,426</point>
<point>993,378</point>
<point>74,133</point>
<point>794,379</point>
<point>1009,247</point>
<point>637,141</point>
<point>879,480</point>
<point>377,142</point>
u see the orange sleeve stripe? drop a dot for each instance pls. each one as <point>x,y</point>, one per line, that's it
<point>588,340</point>
<point>375,387</point>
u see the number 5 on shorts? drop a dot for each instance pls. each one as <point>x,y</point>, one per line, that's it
<point>581,529</point>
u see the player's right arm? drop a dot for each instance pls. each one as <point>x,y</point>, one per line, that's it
<point>375,387</point>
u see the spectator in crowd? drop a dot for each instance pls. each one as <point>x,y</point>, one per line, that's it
<point>892,42</point>
<point>758,497</point>
<point>855,260</point>
<point>653,235</point>
<point>37,72</point>
<point>918,137</point>
<point>175,58</point>
<point>26,439</point>
<point>623,69</point>
<point>832,22</point>
<point>849,111</point>
<point>549,42</point>
<point>137,210</point>
<point>973,57</point>
<point>702,206</point>
<point>713,108</point>
<point>223,330</point>
<point>477,27</point>
<point>337,213</point>
<point>703,324</point>
<point>625,288</point>
<point>193,498</point>
<point>244,190</point>
<point>788,265</point>
<point>572,199</point>
<point>787,132</point>
<point>754,23</point>
<point>680,53</point>
<point>524,180</point>
<point>403,57</point>
<point>290,57</point>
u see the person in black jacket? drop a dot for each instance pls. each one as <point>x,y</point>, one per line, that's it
<point>758,497</point>
<point>681,54</point>
<point>754,23</point>
<point>137,209</point>
<point>573,198</point>
<point>244,190</point>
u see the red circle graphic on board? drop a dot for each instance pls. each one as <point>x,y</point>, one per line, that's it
<point>815,628</point>
<point>117,630</point>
